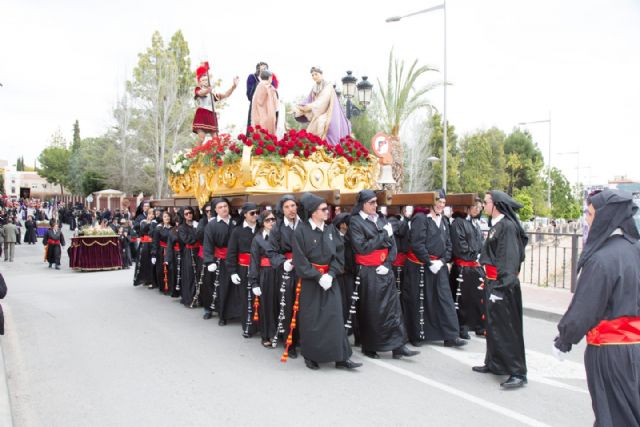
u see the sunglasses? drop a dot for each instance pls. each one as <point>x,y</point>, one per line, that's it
<point>188,213</point>
<point>252,213</point>
<point>323,209</point>
<point>269,219</point>
<point>207,210</point>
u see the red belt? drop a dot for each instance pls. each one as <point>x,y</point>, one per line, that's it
<point>53,242</point>
<point>412,257</point>
<point>201,251</point>
<point>244,259</point>
<point>176,247</point>
<point>220,253</point>
<point>462,263</point>
<point>492,271</point>
<point>623,330</point>
<point>134,239</point>
<point>288,255</point>
<point>163,244</point>
<point>264,262</point>
<point>373,259</point>
<point>400,259</point>
<point>194,246</point>
<point>146,239</point>
<point>324,269</point>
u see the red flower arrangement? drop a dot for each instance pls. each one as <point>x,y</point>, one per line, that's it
<point>212,151</point>
<point>262,143</point>
<point>302,144</point>
<point>352,150</point>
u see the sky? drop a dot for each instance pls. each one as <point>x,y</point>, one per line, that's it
<point>577,62</point>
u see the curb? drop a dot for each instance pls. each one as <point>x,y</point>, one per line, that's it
<point>542,314</point>
<point>5,400</point>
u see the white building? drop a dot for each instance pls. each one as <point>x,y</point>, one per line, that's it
<point>28,185</point>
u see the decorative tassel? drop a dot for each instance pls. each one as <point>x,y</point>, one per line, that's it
<point>247,322</point>
<point>294,316</point>
<point>166,278</point>
<point>216,283</point>
<point>281,315</point>
<point>256,307</point>
<point>421,310</point>
<point>196,297</point>
<point>458,289</point>
<point>354,298</point>
<point>179,269</point>
<point>398,278</point>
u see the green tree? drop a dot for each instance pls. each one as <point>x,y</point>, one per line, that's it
<point>54,166</point>
<point>400,98</point>
<point>92,181</point>
<point>476,164</point>
<point>563,203</point>
<point>435,149</point>
<point>20,164</point>
<point>525,199</point>
<point>523,160</point>
<point>499,177</point>
<point>75,143</point>
<point>367,124</point>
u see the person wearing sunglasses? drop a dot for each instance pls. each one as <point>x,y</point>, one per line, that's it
<point>238,260</point>
<point>218,293</point>
<point>318,257</point>
<point>467,276</point>
<point>379,313</point>
<point>263,277</point>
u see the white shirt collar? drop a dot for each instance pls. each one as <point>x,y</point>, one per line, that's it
<point>219,218</point>
<point>246,224</point>
<point>265,233</point>
<point>293,224</point>
<point>314,226</point>
<point>365,216</point>
<point>437,219</point>
<point>617,232</point>
<point>497,219</point>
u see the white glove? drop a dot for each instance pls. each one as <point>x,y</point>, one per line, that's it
<point>236,279</point>
<point>212,267</point>
<point>387,227</point>
<point>288,265</point>
<point>495,298</point>
<point>381,270</point>
<point>557,353</point>
<point>256,291</point>
<point>326,281</point>
<point>435,266</point>
<point>153,261</point>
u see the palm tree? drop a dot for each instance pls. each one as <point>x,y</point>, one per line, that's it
<point>401,99</point>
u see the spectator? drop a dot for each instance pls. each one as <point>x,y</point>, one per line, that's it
<point>10,236</point>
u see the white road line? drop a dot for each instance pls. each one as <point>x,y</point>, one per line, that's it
<point>458,393</point>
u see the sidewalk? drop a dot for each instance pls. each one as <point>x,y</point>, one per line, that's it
<point>545,303</point>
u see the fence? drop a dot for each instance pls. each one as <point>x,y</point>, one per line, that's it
<point>551,259</point>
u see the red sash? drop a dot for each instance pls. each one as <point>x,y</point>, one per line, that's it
<point>492,271</point>
<point>288,255</point>
<point>373,259</point>
<point>176,247</point>
<point>220,253</point>
<point>244,259</point>
<point>194,246</point>
<point>400,259</point>
<point>623,330</point>
<point>412,257</point>
<point>264,262</point>
<point>134,239</point>
<point>201,251</point>
<point>163,244</point>
<point>324,269</point>
<point>462,263</point>
<point>146,239</point>
<point>53,242</point>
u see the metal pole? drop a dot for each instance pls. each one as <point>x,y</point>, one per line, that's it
<point>574,262</point>
<point>444,115</point>
<point>348,108</point>
<point>549,168</point>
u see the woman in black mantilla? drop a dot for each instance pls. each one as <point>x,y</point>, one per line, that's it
<point>263,276</point>
<point>53,239</point>
<point>318,257</point>
<point>158,252</point>
<point>190,267</point>
<point>30,235</point>
<point>145,270</point>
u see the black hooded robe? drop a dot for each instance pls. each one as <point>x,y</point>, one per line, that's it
<point>145,272</point>
<point>322,334</point>
<point>30,235</point>
<point>240,243</point>
<point>379,312</point>
<point>54,250</point>
<point>467,240</point>
<point>228,295</point>
<point>504,249</point>
<point>191,265</point>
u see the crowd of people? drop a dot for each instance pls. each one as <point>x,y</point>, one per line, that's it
<point>302,276</point>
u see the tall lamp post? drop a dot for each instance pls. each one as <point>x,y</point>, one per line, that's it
<point>442,6</point>
<point>364,89</point>
<point>549,158</point>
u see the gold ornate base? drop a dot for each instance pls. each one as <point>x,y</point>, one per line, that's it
<point>255,175</point>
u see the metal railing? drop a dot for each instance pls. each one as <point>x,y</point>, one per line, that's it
<point>551,259</point>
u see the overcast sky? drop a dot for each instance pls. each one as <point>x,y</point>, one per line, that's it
<point>508,62</point>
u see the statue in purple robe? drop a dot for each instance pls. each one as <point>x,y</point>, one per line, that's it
<point>323,111</point>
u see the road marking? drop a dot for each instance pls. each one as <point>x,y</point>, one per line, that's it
<point>458,393</point>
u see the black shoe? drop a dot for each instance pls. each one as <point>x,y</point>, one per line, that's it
<point>481,333</point>
<point>311,364</point>
<point>465,335</point>
<point>293,354</point>
<point>403,351</point>
<point>207,315</point>
<point>50,265</point>
<point>416,343</point>
<point>371,354</point>
<point>57,267</point>
<point>484,369</point>
<point>514,381</point>
<point>457,342</point>
<point>348,364</point>
<point>222,322</point>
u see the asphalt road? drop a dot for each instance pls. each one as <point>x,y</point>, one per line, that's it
<point>89,349</point>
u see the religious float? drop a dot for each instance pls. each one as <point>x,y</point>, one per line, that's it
<point>95,250</point>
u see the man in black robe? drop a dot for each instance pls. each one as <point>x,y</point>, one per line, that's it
<point>53,239</point>
<point>190,268</point>
<point>606,308</point>
<point>282,233</point>
<point>379,312</point>
<point>318,258</point>
<point>467,276</point>
<point>346,280</point>
<point>238,261</point>
<point>501,256</point>
<point>430,250</point>
<point>228,297</point>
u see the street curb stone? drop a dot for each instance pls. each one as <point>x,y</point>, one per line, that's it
<point>5,400</point>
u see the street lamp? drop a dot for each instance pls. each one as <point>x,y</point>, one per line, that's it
<point>549,158</point>
<point>442,6</point>
<point>351,86</point>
